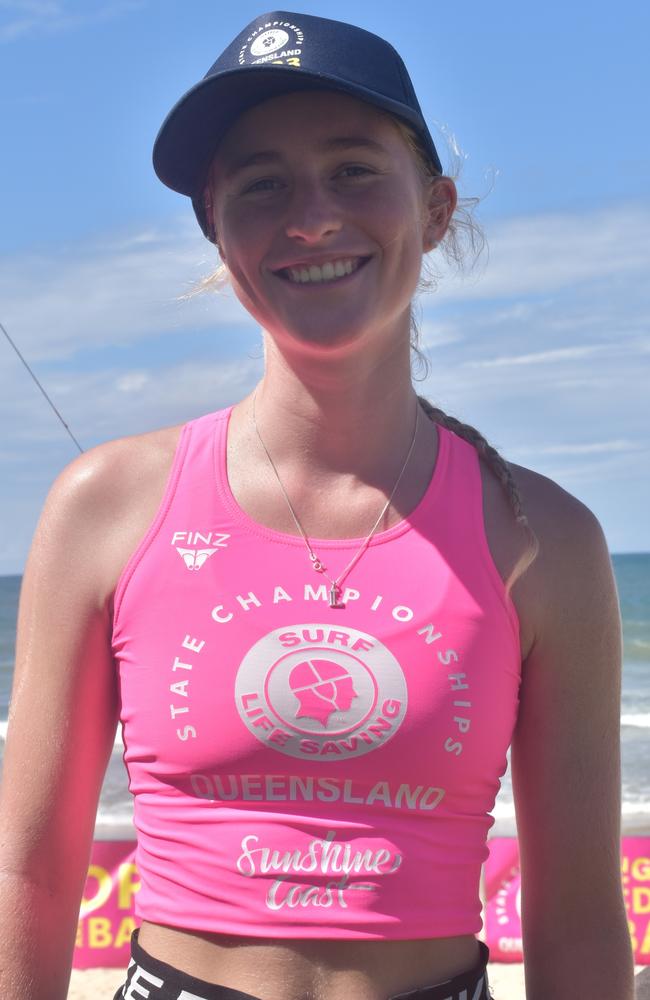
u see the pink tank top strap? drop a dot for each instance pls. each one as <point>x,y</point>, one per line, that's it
<point>461,518</point>
<point>188,489</point>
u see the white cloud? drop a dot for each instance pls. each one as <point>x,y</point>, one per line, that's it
<point>29,17</point>
<point>543,254</point>
<point>15,29</point>
<point>111,403</point>
<point>561,354</point>
<point>36,7</point>
<point>436,334</point>
<point>114,290</point>
<point>132,381</point>
<point>587,448</point>
<point>618,470</point>
<point>555,334</point>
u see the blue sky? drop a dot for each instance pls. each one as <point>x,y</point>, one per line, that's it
<point>546,347</point>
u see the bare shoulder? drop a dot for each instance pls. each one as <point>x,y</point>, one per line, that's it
<point>556,513</point>
<point>573,568</point>
<point>572,555</point>
<point>562,523</point>
<point>104,501</point>
<point>117,470</point>
<point>566,528</point>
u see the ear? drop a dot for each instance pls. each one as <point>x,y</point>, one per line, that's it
<point>441,201</point>
<point>208,208</point>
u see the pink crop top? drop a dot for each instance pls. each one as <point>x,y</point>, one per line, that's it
<point>306,771</point>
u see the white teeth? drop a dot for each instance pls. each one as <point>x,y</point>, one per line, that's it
<point>329,271</point>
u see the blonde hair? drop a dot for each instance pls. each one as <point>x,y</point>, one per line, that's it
<point>461,248</point>
<point>503,473</point>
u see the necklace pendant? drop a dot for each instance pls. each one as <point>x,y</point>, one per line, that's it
<point>335,597</point>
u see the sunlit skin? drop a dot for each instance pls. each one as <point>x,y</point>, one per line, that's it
<point>308,178</point>
<point>331,178</point>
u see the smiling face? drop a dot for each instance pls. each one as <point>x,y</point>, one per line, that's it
<point>322,218</point>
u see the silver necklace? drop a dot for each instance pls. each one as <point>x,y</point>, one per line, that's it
<point>317,563</point>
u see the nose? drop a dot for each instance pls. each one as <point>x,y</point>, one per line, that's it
<point>312,213</point>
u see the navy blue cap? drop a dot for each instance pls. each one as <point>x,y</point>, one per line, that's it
<point>275,54</point>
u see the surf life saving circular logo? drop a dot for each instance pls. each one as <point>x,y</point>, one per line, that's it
<point>319,692</point>
<point>273,42</point>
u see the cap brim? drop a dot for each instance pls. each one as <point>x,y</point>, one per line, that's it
<point>192,130</point>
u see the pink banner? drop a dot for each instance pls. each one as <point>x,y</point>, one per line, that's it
<point>106,918</point>
<point>503,897</point>
<point>502,914</point>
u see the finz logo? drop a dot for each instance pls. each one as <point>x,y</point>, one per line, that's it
<point>318,692</point>
<point>273,42</point>
<point>204,544</point>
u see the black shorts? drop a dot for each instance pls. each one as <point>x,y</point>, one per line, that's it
<point>149,977</point>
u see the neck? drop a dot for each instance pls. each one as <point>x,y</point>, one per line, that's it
<point>337,418</point>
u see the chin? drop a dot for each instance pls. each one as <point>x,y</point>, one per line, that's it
<point>324,342</point>
<point>318,339</point>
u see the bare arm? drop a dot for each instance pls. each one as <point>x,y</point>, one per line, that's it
<point>61,728</point>
<point>566,766</point>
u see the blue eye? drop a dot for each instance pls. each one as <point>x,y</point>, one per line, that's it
<point>263,184</point>
<point>355,170</point>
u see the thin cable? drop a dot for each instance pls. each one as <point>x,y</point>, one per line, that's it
<point>41,388</point>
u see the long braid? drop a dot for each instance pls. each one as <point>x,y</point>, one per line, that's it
<point>500,468</point>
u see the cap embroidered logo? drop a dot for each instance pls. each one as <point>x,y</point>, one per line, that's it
<point>273,42</point>
<point>269,41</point>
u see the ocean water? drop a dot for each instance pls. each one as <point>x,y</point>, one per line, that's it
<point>633,582</point>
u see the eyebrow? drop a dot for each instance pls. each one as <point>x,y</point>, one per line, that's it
<point>335,144</point>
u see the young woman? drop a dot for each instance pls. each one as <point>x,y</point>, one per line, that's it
<point>322,615</point>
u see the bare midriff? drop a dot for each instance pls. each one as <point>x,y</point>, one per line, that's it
<point>298,969</point>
